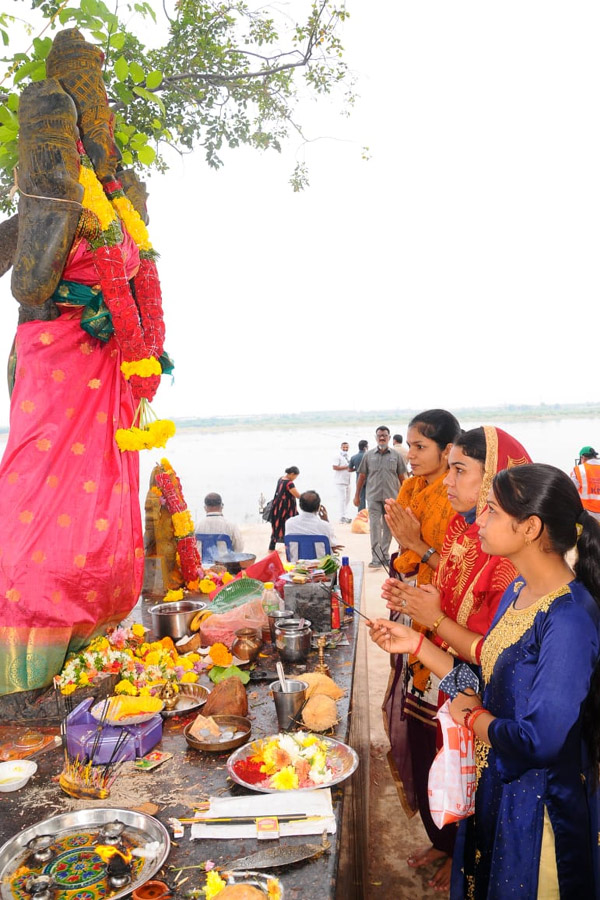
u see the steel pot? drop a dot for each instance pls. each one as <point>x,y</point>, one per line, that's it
<point>292,639</point>
<point>173,619</point>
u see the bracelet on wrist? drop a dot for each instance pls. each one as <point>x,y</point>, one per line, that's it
<point>472,717</point>
<point>428,554</point>
<point>468,713</point>
<point>419,644</point>
<point>438,622</point>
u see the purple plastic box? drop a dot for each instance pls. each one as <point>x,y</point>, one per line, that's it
<point>82,729</point>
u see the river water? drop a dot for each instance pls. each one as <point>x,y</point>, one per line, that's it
<point>242,464</point>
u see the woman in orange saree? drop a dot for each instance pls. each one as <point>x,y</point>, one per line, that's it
<point>457,608</point>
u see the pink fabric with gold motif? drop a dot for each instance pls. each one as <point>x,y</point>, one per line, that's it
<point>71,550</point>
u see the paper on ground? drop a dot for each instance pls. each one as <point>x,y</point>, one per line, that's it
<point>313,803</point>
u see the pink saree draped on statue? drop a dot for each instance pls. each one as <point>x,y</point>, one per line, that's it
<point>71,549</point>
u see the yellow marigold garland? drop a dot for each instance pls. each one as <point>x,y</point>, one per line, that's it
<point>149,435</point>
<point>94,197</point>
<point>142,367</point>
<point>133,222</point>
<point>182,523</point>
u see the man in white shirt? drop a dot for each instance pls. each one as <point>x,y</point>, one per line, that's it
<point>309,522</point>
<point>216,523</point>
<point>341,478</point>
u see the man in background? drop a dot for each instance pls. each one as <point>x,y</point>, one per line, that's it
<point>308,520</point>
<point>355,462</point>
<point>586,476</point>
<point>341,477</point>
<point>384,470</point>
<point>400,447</point>
<point>215,522</point>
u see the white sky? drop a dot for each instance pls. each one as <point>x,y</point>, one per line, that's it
<point>457,267</point>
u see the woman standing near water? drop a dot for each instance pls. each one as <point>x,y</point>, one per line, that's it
<point>418,519</point>
<point>457,609</point>
<point>284,505</point>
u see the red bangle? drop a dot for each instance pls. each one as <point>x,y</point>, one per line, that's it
<point>473,715</point>
<point>468,713</point>
<point>418,647</point>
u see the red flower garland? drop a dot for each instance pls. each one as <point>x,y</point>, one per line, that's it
<point>148,295</point>
<point>108,261</point>
<point>189,558</point>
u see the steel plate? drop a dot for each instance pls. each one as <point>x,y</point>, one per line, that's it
<point>342,758</point>
<point>140,828</point>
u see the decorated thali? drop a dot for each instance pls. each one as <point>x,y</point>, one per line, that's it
<point>71,863</point>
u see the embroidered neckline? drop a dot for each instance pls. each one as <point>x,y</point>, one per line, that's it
<point>511,628</point>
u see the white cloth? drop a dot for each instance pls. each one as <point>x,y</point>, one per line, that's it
<point>310,523</point>
<point>313,803</point>
<point>215,523</point>
<point>341,476</point>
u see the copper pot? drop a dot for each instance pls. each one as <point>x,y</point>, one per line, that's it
<point>247,644</point>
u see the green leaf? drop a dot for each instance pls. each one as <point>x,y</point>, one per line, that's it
<point>142,92</point>
<point>138,140</point>
<point>42,47</point>
<point>28,68</point>
<point>121,68</point>
<point>123,93</point>
<point>7,133</point>
<point>117,40</point>
<point>127,158</point>
<point>146,155</point>
<point>8,118</point>
<point>122,138</point>
<point>136,72</point>
<point>4,37</point>
<point>219,673</point>
<point>153,79</point>
<point>100,36</point>
<point>13,102</point>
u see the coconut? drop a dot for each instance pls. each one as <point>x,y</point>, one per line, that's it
<point>322,684</point>
<point>320,713</point>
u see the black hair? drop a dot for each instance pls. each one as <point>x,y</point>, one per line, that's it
<point>293,470</point>
<point>473,443</point>
<point>310,502</point>
<point>382,428</point>
<point>438,425</point>
<point>213,500</point>
<point>548,493</point>
<point>362,445</point>
<point>397,438</point>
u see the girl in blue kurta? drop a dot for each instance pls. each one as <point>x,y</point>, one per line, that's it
<point>534,833</point>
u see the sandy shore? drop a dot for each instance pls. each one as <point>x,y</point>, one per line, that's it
<point>390,844</point>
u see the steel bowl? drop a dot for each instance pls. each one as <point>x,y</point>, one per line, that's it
<point>173,619</point>
<point>237,723</point>
<point>235,562</point>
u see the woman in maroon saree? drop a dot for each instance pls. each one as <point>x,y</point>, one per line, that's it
<point>284,505</point>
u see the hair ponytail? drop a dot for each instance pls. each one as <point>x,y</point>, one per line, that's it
<point>587,567</point>
<point>548,493</point>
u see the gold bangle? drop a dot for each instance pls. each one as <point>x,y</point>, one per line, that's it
<point>473,650</point>
<point>438,622</point>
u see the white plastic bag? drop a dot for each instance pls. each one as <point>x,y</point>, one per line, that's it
<point>452,777</point>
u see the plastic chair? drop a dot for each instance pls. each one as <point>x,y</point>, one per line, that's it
<point>306,546</point>
<point>211,545</point>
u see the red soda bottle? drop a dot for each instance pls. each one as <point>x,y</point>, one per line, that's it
<point>346,582</point>
<point>335,612</point>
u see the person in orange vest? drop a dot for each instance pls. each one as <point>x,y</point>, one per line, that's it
<point>586,476</point>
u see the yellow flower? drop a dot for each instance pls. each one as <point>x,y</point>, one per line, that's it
<point>83,679</point>
<point>94,197</point>
<point>145,691</point>
<point>220,655</point>
<point>172,595</point>
<point>227,577</point>
<point>68,689</point>
<point>155,435</point>
<point>142,367</point>
<point>156,491</point>
<point>152,658</point>
<point>189,678</point>
<point>185,663</point>
<point>285,780</point>
<point>138,630</point>
<point>182,523</point>
<point>166,465</point>
<point>194,657</point>
<point>273,889</point>
<point>133,222</point>
<point>207,586</point>
<point>214,884</point>
<point>125,687</point>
